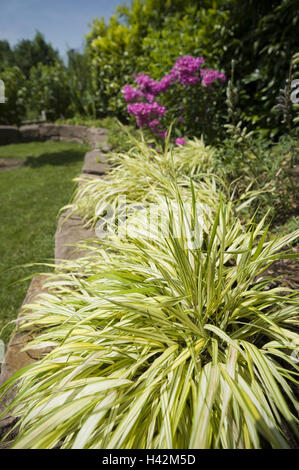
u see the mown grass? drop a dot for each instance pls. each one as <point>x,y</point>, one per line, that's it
<point>30,198</point>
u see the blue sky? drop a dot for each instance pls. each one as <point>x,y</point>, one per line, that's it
<point>63,22</point>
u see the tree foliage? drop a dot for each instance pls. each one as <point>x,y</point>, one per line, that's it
<point>29,53</point>
<point>80,83</point>
<point>49,91</point>
<point>6,55</point>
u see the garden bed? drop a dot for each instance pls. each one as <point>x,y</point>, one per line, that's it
<point>165,342</point>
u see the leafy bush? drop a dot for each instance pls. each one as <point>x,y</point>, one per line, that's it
<point>263,39</point>
<point>14,108</point>
<point>265,166</point>
<point>80,84</point>
<point>107,47</point>
<point>49,91</point>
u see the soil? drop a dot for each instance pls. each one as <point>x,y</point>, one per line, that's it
<point>285,272</point>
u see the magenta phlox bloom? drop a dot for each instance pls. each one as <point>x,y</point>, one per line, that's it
<point>145,112</point>
<point>185,69</point>
<point>146,84</point>
<point>208,76</point>
<point>180,141</point>
<point>150,98</point>
<point>142,100</point>
<point>164,84</point>
<point>154,124</point>
<point>151,88</point>
<point>131,94</point>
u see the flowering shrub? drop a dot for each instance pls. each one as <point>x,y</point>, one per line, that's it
<point>182,91</point>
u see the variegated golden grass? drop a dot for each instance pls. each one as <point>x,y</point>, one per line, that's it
<point>143,174</point>
<point>169,342</point>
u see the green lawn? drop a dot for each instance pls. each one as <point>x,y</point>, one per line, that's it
<point>30,198</point>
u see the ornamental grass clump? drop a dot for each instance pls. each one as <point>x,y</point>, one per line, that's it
<point>143,174</point>
<point>168,341</point>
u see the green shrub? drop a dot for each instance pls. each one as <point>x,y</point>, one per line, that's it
<point>80,84</point>
<point>265,166</point>
<point>49,91</point>
<point>112,65</point>
<point>262,38</point>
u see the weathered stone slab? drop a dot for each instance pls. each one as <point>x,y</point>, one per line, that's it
<point>72,133</point>
<point>105,148</point>
<point>69,231</point>
<point>93,136</point>
<point>96,136</point>
<point>15,358</point>
<point>9,135</point>
<point>76,140</point>
<point>95,162</point>
<point>29,132</point>
<point>48,130</point>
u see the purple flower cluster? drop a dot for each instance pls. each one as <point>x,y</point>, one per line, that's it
<point>148,88</point>
<point>131,93</point>
<point>146,112</point>
<point>208,76</point>
<point>186,71</point>
<point>180,141</point>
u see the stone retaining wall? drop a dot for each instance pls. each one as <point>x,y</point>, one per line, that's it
<point>56,132</point>
<point>69,231</point>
